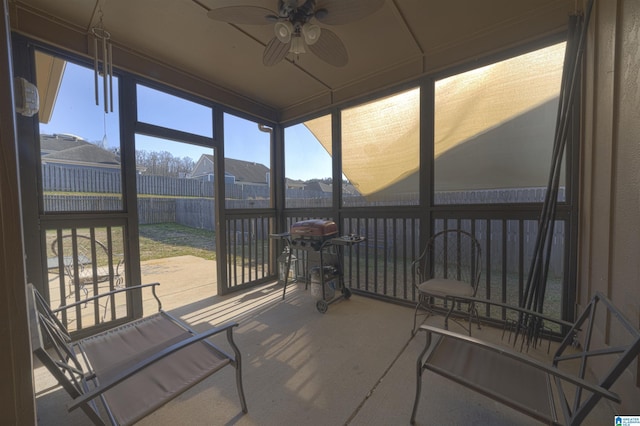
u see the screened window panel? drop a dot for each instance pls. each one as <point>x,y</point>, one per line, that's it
<point>308,170</point>
<point>166,110</point>
<point>247,162</point>
<point>79,141</point>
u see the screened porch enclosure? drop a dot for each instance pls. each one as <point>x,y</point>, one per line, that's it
<point>212,187</point>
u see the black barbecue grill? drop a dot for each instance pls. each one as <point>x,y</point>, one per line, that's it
<point>320,238</point>
<point>312,234</point>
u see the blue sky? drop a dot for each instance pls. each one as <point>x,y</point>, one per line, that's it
<point>76,113</point>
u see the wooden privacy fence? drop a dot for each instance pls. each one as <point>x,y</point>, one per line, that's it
<point>157,210</point>
<point>193,212</point>
<point>196,213</point>
<point>81,179</point>
<point>57,178</point>
<point>163,185</point>
<point>81,203</point>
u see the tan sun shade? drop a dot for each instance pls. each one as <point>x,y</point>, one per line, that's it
<point>380,140</point>
<point>474,102</point>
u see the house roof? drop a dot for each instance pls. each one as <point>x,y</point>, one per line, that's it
<point>319,186</point>
<point>55,143</point>
<point>295,183</point>
<point>246,171</point>
<point>242,171</point>
<point>73,149</point>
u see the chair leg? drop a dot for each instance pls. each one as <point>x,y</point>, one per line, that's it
<point>415,319</point>
<point>238,366</point>
<point>418,391</point>
<point>419,370</point>
<point>474,313</point>
<point>243,403</point>
<point>449,312</point>
<point>415,315</point>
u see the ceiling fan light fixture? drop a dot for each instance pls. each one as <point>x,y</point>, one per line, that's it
<point>297,45</point>
<point>283,31</point>
<point>311,33</point>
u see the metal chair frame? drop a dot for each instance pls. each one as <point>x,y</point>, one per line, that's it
<point>85,263</point>
<point>448,271</point>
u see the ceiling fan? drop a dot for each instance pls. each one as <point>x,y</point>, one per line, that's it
<point>294,27</point>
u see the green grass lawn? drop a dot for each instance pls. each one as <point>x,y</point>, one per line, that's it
<point>157,241</point>
<point>162,240</point>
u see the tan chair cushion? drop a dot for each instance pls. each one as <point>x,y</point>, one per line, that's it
<point>493,374</point>
<point>442,287</point>
<point>116,350</point>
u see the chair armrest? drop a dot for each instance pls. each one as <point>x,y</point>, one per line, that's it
<point>125,374</point>
<point>549,369</point>
<point>110,293</point>
<point>517,309</point>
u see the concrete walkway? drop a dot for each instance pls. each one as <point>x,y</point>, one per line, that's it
<point>183,279</point>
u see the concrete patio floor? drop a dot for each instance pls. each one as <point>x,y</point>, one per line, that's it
<point>353,365</point>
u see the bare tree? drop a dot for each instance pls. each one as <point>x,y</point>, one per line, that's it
<point>163,163</point>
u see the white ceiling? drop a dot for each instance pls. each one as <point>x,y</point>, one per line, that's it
<point>402,41</point>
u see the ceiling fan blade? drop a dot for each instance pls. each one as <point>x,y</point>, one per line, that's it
<point>275,52</point>
<point>250,15</point>
<point>330,49</point>
<point>338,12</point>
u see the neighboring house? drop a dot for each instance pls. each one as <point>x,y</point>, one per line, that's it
<point>236,171</point>
<point>72,151</point>
<point>249,173</point>
<point>203,169</point>
<point>327,188</point>
<point>318,186</point>
<point>294,184</point>
<point>349,189</point>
